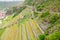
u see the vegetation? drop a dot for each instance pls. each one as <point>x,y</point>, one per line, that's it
<point>41,37</point>
<point>54,18</point>
<point>49,5</point>
<point>40,7</point>
<point>35,14</point>
<point>53,36</point>
<point>45,14</point>
<point>18,11</point>
<point>1,31</point>
<point>14,9</point>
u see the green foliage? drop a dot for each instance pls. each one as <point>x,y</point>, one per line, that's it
<point>58,27</point>
<point>19,10</point>
<point>54,18</point>
<point>35,14</point>
<point>30,2</point>
<point>45,14</point>
<point>1,31</point>
<point>40,7</point>
<point>49,5</point>
<point>41,37</point>
<point>53,36</point>
<point>14,9</point>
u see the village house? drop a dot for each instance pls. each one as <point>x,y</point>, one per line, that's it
<point>2,14</point>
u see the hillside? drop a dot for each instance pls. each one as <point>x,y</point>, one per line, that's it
<point>51,5</point>
<point>34,20</point>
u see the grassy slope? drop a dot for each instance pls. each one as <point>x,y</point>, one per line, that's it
<point>51,5</point>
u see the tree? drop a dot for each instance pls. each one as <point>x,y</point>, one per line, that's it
<point>15,9</point>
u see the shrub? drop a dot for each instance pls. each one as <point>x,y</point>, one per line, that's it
<point>35,14</point>
<point>40,7</point>
<point>53,36</point>
<point>45,14</point>
<point>41,37</point>
<point>14,9</point>
<point>19,10</point>
<point>54,18</point>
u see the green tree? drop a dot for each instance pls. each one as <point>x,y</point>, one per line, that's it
<point>14,9</point>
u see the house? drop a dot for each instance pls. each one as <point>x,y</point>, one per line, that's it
<point>2,14</point>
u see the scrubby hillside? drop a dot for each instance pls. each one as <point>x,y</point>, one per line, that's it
<point>51,5</point>
<point>49,19</point>
<point>35,20</point>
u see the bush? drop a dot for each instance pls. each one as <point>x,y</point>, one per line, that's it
<point>14,9</point>
<point>35,14</point>
<point>54,18</point>
<point>41,37</point>
<point>19,10</point>
<point>45,14</point>
<point>53,36</point>
<point>40,7</point>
